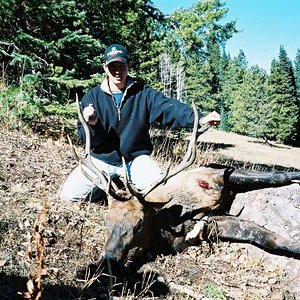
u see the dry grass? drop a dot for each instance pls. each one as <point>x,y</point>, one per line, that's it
<point>252,152</point>
<point>66,238</point>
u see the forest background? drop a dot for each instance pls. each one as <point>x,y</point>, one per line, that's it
<point>52,50</point>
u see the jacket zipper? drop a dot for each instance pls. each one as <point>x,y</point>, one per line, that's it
<point>119,113</point>
<point>119,107</point>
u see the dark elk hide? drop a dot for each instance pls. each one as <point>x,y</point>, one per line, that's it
<point>184,207</point>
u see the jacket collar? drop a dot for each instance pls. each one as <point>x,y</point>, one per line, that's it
<point>105,87</point>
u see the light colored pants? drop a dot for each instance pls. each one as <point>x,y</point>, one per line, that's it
<point>142,172</point>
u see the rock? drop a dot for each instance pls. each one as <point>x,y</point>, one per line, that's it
<point>276,209</point>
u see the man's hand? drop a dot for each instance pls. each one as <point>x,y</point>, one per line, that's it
<point>90,114</point>
<point>212,118</point>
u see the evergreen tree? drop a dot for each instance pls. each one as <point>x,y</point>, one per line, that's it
<point>282,109</point>
<point>232,78</point>
<point>297,79</point>
<point>249,103</point>
<point>197,82</point>
<point>61,43</point>
<point>194,37</point>
<point>297,72</point>
<point>214,60</point>
<point>224,65</point>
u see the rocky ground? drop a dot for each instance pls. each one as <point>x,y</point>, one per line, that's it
<point>46,241</point>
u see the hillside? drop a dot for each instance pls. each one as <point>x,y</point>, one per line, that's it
<point>246,149</point>
<point>33,167</point>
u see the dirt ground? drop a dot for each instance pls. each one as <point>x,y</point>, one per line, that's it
<point>42,237</point>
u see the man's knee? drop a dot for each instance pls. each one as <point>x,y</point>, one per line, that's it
<point>66,194</point>
<point>94,195</point>
<point>75,187</point>
<point>144,171</point>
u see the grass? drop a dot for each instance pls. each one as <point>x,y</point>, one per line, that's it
<point>213,291</point>
<point>72,235</point>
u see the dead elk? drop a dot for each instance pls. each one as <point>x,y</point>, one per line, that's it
<point>184,207</point>
<point>192,206</point>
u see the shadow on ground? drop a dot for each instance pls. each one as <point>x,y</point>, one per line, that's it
<point>98,286</point>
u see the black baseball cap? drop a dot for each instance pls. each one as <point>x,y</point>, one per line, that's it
<point>116,52</point>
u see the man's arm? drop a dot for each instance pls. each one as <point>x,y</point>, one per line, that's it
<point>173,113</point>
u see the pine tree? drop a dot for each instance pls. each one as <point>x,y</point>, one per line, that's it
<point>282,109</point>
<point>59,44</point>
<point>297,79</point>
<point>224,63</point>
<point>214,60</point>
<point>193,38</point>
<point>249,104</point>
<point>197,82</point>
<point>232,78</point>
<point>297,72</point>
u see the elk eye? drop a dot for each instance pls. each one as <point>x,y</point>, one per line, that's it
<point>203,184</point>
<point>138,226</point>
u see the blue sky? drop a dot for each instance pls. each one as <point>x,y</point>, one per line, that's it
<point>264,26</point>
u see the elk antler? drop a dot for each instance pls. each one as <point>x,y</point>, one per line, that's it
<point>100,180</point>
<point>187,161</point>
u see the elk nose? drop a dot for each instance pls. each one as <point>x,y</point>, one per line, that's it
<point>109,256</point>
<point>114,265</point>
<point>111,262</point>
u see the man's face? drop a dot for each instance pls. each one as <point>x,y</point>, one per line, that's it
<point>117,73</point>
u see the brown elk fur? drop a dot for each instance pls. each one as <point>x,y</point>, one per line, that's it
<point>171,211</point>
<point>198,189</point>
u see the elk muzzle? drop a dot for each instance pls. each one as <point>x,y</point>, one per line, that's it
<point>128,227</point>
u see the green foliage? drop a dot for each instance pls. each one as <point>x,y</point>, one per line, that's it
<point>18,108</point>
<point>224,91</point>
<point>297,81</point>
<point>248,106</point>
<point>297,73</point>
<point>231,77</point>
<point>213,291</point>
<point>68,111</point>
<point>198,87</point>
<point>282,109</point>
<point>193,39</point>
<point>71,36</point>
<point>193,29</point>
<point>54,51</point>
<point>195,36</point>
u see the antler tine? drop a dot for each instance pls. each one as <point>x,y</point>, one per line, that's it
<point>189,157</point>
<point>140,195</point>
<point>73,149</point>
<point>187,161</point>
<point>85,127</point>
<point>131,188</point>
<point>100,180</point>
